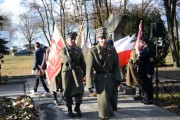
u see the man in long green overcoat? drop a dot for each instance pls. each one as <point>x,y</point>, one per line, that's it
<point>103,59</point>
<point>76,63</point>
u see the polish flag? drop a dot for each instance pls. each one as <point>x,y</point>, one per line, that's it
<point>137,46</point>
<point>123,48</point>
<point>54,62</point>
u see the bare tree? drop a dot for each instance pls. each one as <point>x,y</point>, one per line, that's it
<point>27,27</point>
<point>170,8</point>
<point>47,19</point>
<point>50,11</point>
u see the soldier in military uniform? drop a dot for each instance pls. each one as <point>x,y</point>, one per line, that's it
<point>132,76</point>
<point>76,63</point>
<point>103,59</point>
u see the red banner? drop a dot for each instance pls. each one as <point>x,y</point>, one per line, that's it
<point>54,62</point>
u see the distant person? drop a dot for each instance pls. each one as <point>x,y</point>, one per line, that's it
<point>103,59</point>
<point>40,65</point>
<point>146,70</point>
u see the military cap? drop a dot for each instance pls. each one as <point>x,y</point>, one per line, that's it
<point>145,39</point>
<point>72,35</point>
<point>133,40</point>
<point>101,32</point>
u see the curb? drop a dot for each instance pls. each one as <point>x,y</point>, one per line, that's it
<point>22,77</point>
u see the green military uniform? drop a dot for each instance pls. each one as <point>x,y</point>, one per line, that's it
<point>69,88</point>
<point>132,69</point>
<point>106,65</point>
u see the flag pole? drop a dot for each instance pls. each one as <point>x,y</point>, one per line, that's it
<point>80,30</point>
<point>63,41</point>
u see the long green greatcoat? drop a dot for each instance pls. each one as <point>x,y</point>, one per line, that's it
<point>132,77</point>
<point>68,84</point>
<point>106,65</point>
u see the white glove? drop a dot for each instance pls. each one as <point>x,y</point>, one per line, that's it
<point>32,72</point>
<point>149,76</point>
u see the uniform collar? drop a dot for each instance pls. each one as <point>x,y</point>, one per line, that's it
<point>99,48</point>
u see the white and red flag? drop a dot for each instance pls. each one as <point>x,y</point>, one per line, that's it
<point>123,48</point>
<point>54,62</point>
<point>137,46</point>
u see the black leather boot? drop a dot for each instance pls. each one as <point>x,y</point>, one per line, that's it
<point>70,113</point>
<point>77,110</point>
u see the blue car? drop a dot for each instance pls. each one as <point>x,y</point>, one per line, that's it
<point>23,52</point>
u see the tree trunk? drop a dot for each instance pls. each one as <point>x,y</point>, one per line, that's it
<point>98,14</point>
<point>30,45</point>
<point>107,9</point>
<point>125,5</point>
<point>170,8</point>
<point>176,36</point>
<point>87,22</point>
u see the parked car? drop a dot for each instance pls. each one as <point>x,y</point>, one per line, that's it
<point>23,52</point>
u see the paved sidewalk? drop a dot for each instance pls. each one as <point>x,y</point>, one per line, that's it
<point>128,109</point>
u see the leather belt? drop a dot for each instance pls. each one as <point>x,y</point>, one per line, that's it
<point>104,72</point>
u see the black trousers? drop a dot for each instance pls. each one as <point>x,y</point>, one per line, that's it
<point>38,77</point>
<point>147,86</point>
<point>78,99</point>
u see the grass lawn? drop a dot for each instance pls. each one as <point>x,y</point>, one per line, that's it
<point>17,66</point>
<point>169,103</point>
<point>168,71</point>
